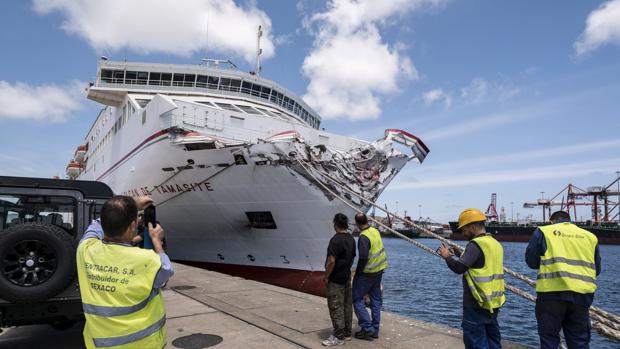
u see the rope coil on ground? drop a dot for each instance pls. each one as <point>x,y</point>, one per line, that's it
<point>606,323</point>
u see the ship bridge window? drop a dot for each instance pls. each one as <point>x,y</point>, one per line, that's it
<point>227,84</point>
<point>130,77</point>
<point>247,109</point>
<point>178,79</point>
<point>119,77</point>
<point>224,84</point>
<point>246,88</point>
<point>107,75</point>
<point>234,85</point>
<point>154,78</point>
<point>166,79</point>
<point>190,79</point>
<point>201,81</point>
<point>261,220</point>
<point>256,90</point>
<point>142,78</point>
<point>227,106</point>
<point>213,81</point>
<point>160,79</point>
<point>265,92</point>
<point>279,97</point>
<point>288,103</point>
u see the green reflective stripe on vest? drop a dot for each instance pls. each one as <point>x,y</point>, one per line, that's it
<point>568,263</point>
<point>487,283</point>
<point>130,338</point>
<point>559,274</point>
<point>374,255</point>
<point>377,258</point>
<point>488,297</point>
<point>488,278</point>
<point>371,266</point>
<point>104,310</point>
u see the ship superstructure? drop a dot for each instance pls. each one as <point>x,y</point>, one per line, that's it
<point>232,162</point>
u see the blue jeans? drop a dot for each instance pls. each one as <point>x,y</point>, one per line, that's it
<point>480,329</point>
<point>556,315</point>
<point>371,285</point>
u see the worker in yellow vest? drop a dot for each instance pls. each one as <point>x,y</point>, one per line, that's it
<point>482,266</point>
<point>568,261</point>
<point>371,263</point>
<point>120,284</point>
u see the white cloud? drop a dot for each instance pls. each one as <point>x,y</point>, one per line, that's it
<point>575,170</point>
<point>51,103</point>
<point>437,95</point>
<point>479,90</point>
<point>564,151</point>
<point>350,65</point>
<point>475,124</point>
<point>174,27</point>
<point>602,27</point>
<point>476,91</point>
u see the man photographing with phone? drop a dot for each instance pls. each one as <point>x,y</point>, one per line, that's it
<point>120,284</point>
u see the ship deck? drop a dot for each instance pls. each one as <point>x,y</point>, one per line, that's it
<point>208,309</point>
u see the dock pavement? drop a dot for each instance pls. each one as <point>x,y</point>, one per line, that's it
<point>206,309</point>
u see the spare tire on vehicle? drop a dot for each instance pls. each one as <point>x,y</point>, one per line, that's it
<point>37,261</point>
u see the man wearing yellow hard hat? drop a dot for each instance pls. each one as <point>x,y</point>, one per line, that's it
<point>482,266</point>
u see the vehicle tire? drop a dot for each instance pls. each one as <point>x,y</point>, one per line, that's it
<point>37,261</point>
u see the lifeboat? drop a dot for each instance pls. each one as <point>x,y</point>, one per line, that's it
<point>80,152</point>
<point>73,169</point>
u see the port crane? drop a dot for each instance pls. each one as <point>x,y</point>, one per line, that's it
<point>491,212</point>
<point>599,198</point>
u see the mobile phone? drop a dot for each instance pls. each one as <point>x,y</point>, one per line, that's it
<point>149,217</point>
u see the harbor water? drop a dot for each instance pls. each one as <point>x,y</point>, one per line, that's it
<point>420,285</point>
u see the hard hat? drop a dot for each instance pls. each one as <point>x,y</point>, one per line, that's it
<point>471,215</point>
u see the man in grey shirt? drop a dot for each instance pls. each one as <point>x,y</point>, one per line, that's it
<point>95,231</point>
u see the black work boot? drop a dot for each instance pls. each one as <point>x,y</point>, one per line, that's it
<point>365,335</point>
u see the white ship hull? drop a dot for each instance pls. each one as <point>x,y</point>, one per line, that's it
<point>208,178</point>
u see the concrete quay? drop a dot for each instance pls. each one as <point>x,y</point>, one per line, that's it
<point>207,309</point>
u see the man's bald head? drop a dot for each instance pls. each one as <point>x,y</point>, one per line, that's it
<point>117,215</point>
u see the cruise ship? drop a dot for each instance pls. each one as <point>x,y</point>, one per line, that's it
<point>236,164</point>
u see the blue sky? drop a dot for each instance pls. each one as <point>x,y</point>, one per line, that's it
<point>511,97</point>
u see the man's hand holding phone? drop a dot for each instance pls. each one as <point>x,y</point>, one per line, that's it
<point>157,237</point>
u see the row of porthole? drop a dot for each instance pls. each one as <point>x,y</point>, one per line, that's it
<point>252,258</point>
<point>191,162</point>
<point>239,160</point>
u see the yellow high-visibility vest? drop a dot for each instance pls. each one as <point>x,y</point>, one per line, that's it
<point>121,308</point>
<point>377,259</point>
<point>487,283</point>
<point>568,263</point>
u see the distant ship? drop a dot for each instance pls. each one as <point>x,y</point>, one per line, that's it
<point>235,163</point>
<point>608,233</point>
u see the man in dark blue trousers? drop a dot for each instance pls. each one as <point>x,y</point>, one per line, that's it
<point>368,274</point>
<point>568,260</point>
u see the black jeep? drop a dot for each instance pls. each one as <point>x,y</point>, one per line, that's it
<point>41,223</point>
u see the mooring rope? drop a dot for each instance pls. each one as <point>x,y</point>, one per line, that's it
<point>606,323</point>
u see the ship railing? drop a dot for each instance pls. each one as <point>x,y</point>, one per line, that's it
<point>223,90</point>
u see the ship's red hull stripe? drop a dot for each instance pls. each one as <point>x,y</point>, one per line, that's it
<point>300,280</point>
<point>150,138</point>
